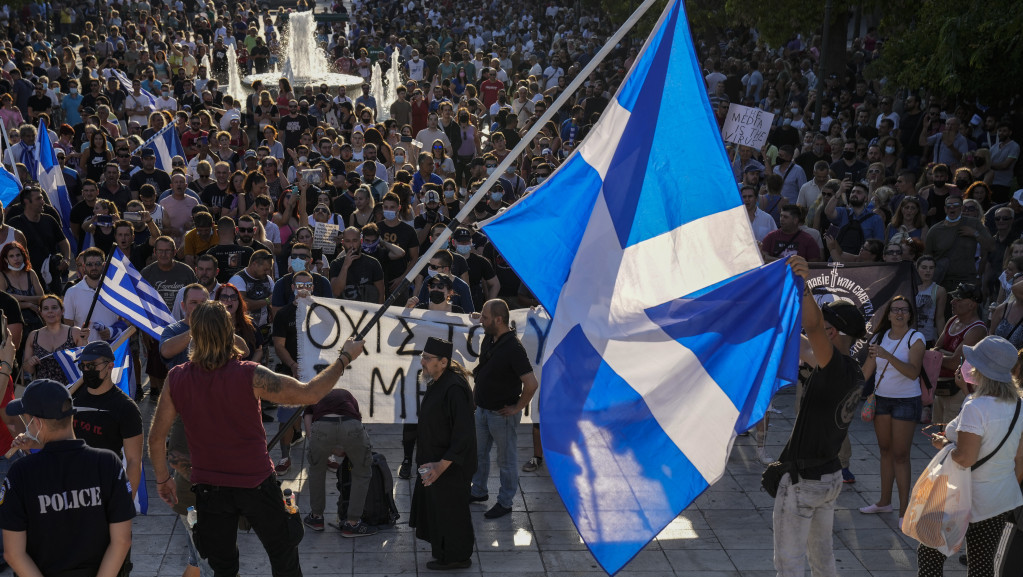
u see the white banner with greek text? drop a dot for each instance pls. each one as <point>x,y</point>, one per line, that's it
<point>385,379</point>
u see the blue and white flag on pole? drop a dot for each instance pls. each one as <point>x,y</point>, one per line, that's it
<point>10,187</point>
<point>668,335</point>
<point>126,85</point>
<point>128,295</point>
<point>167,145</point>
<point>123,377</point>
<point>51,180</point>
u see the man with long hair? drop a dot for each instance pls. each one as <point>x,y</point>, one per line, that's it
<point>218,398</point>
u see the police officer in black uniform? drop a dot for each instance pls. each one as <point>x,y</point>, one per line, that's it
<point>67,509</point>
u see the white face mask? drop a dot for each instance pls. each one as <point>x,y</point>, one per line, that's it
<point>20,267</point>
<point>29,434</point>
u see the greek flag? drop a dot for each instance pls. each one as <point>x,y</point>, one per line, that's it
<point>167,145</point>
<point>668,335</point>
<point>127,294</point>
<point>124,377</point>
<point>9,186</point>
<point>126,86</point>
<point>51,180</point>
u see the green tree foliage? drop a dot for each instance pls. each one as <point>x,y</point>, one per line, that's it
<point>961,49</point>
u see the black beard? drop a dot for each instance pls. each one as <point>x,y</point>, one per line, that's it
<point>856,203</point>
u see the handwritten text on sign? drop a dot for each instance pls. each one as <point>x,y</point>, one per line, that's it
<point>385,379</point>
<point>747,126</point>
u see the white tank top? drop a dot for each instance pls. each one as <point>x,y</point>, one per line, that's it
<point>9,239</point>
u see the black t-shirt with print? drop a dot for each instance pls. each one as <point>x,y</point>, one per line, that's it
<point>830,401</point>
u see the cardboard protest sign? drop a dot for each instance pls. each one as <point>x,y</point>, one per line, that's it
<point>747,126</point>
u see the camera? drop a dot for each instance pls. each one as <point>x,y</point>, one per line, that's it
<point>133,216</point>
<point>104,220</point>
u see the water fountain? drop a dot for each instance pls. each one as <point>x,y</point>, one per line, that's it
<point>376,90</point>
<point>234,80</point>
<point>304,61</point>
<point>384,87</point>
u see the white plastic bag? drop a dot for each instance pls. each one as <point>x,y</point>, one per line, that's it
<point>939,508</point>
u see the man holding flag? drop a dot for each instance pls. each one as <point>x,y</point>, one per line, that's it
<point>107,418</point>
<point>668,335</point>
<point>804,507</point>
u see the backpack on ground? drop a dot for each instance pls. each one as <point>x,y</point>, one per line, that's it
<point>380,508</point>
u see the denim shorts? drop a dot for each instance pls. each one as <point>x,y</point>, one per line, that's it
<point>905,409</point>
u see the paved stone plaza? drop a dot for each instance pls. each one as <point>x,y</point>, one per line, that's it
<point>725,533</point>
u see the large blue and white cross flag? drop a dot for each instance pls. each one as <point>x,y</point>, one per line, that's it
<point>123,377</point>
<point>128,295</point>
<point>51,180</point>
<point>167,145</point>
<point>668,335</point>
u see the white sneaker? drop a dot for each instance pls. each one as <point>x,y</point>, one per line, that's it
<point>763,457</point>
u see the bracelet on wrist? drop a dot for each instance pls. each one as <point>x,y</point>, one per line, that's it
<point>165,480</point>
<point>346,355</point>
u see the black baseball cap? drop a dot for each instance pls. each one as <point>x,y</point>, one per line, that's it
<point>147,153</point>
<point>44,399</point>
<point>462,234</point>
<point>96,350</point>
<point>844,316</point>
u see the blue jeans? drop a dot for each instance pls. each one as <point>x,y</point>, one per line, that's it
<point>493,429</point>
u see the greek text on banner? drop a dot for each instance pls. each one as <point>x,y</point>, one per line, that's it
<point>385,379</point>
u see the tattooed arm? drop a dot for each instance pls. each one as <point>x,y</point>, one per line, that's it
<point>284,390</point>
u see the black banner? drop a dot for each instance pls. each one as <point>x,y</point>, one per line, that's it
<point>869,286</point>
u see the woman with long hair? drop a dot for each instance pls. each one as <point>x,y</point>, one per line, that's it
<point>291,213</point>
<point>253,187</point>
<point>384,153</point>
<point>284,95</point>
<point>228,294</point>
<point>990,371</point>
<point>22,283</point>
<point>443,165</point>
<point>266,112</point>
<point>981,192</point>
<point>276,182</point>
<point>891,159</point>
<point>53,336</point>
<point>908,219</point>
<point>896,353</point>
<point>365,208</point>
<point>100,226</point>
<point>95,156</point>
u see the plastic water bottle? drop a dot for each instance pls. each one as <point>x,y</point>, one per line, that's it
<point>289,502</point>
<point>192,517</point>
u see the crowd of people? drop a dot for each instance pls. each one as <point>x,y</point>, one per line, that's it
<point>231,233</point>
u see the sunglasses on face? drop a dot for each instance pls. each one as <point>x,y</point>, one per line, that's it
<point>436,284</point>
<point>303,286</point>
<point>228,298</point>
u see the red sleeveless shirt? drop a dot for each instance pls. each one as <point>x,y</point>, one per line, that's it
<point>223,423</point>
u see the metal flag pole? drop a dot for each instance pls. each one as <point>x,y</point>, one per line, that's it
<point>491,180</point>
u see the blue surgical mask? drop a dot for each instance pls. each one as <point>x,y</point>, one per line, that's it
<point>297,264</point>
<point>390,214</point>
<point>370,246</point>
<point>954,221</point>
<point>497,196</point>
<point>463,249</point>
<point>431,273</point>
<point>449,193</point>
